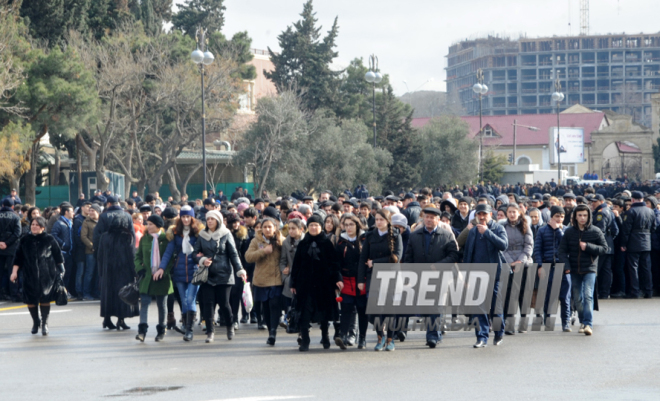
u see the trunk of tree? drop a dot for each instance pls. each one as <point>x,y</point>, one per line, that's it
<point>56,169</point>
<point>141,187</point>
<point>184,182</point>
<point>128,163</point>
<point>15,182</point>
<point>31,175</point>
<point>90,151</point>
<point>174,190</point>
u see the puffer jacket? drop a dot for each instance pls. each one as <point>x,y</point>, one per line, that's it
<point>546,245</point>
<point>220,246</point>
<point>520,246</point>
<point>577,260</point>
<point>184,267</point>
<point>267,266</point>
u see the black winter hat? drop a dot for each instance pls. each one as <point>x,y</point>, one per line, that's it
<point>271,212</point>
<point>170,213</point>
<point>315,219</point>
<point>557,209</point>
<point>156,220</point>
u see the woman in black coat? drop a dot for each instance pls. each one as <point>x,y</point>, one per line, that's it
<point>382,245</point>
<point>314,277</point>
<point>40,260</point>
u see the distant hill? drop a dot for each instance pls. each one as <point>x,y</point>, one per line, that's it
<point>431,104</point>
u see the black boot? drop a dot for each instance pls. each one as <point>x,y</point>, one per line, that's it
<point>325,339</point>
<point>142,331</point>
<point>190,321</point>
<point>45,311</point>
<point>160,330</point>
<point>36,323</point>
<point>272,334</point>
<point>304,340</point>
<point>107,324</point>
<point>121,325</point>
<point>171,321</point>
<point>230,332</point>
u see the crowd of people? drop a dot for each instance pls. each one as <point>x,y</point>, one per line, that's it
<point>309,260</point>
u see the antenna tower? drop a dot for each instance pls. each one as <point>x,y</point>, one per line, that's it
<point>584,17</point>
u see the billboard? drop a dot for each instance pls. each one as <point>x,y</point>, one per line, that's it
<point>571,144</point>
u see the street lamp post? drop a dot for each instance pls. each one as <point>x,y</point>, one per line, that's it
<point>558,96</point>
<point>201,57</point>
<point>373,77</point>
<point>515,125</point>
<point>481,89</point>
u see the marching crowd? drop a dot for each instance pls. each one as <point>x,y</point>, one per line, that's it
<point>295,261</point>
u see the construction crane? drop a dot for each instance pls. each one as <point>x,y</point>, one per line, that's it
<point>584,17</point>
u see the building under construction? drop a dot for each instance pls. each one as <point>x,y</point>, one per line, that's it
<point>604,72</point>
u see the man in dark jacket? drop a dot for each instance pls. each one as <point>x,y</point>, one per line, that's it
<point>412,209</point>
<point>485,243</point>
<point>652,204</point>
<point>579,251</point>
<point>604,220</point>
<point>638,223</point>
<point>10,231</point>
<point>79,257</point>
<point>63,234</point>
<point>546,250</point>
<point>431,245</point>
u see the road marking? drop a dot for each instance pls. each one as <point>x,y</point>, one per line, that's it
<point>27,313</point>
<point>13,307</point>
<point>267,398</point>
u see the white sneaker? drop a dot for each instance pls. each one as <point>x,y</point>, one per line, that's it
<point>581,329</point>
<point>587,330</point>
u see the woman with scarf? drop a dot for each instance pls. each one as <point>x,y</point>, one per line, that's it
<point>155,282</point>
<point>40,260</point>
<point>215,249</point>
<point>348,249</point>
<point>315,276</point>
<point>182,237</point>
<point>265,251</point>
<point>381,245</point>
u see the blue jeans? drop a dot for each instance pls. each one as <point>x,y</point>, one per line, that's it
<point>583,293</point>
<point>564,297</point>
<point>434,335</point>
<point>90,267</point>
<point>484,321</point>
<point>188,294</point>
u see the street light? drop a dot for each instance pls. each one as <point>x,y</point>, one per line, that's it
<point>557,97</point>
<point>373,77</point>
<point>515,124</point>
<point>481,89</point>
<point>201,57</point>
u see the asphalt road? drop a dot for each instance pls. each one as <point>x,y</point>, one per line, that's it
<point>80,361</point>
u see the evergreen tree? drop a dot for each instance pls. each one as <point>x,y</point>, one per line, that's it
<point>151,27</point>
<point>193,14</point>
<point>304,62</point>
<point>51,20</point>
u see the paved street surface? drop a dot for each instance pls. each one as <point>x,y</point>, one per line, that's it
<point>80,361</point>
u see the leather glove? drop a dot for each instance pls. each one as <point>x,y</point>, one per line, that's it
<point>141,275</point>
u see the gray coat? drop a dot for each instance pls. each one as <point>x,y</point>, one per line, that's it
<point>521,247</point>
<point>286,260</point>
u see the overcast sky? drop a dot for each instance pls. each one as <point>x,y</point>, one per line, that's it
<point>411,37</point>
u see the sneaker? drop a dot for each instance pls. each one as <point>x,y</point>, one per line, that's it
<point>498,340</point>
<point>389,346</point>
<point>581,329</point>
<point>587,330</point>
<point>567,329</point>
<point>380,345</point>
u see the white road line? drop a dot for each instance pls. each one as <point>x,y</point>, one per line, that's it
<point>267,398</point>
<point>27,313</point>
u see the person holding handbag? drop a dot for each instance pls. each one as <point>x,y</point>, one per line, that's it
<point>216,252</point>
<point>182,237</point>
<point>39,258</point>
<point>155,282</point>
<point>265,251</point>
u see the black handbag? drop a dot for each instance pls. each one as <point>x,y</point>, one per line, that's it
<point>130,293</point>
<point>293,318</point>
<point>62,295</point>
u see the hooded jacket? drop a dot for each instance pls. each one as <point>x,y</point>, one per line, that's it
<point>575,259</point>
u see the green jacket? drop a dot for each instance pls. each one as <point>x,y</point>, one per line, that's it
<point>143,263</point>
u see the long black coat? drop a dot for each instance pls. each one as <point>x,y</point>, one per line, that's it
<point>114,243</point>
<point>37,257</point>
<point>316,278</point>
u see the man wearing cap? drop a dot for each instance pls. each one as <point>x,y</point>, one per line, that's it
<point>13,195</point>
<point>391,200</point>
<point>10,231</point>
<point>604,219</point>
<point>259,205</point>
<point>350,206</point>
<point>486,243</point>
<point>569,205</point>
<point>638,223</point>
<point>431,245</point>
<point>145,210</point>
<point>98,197</point>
